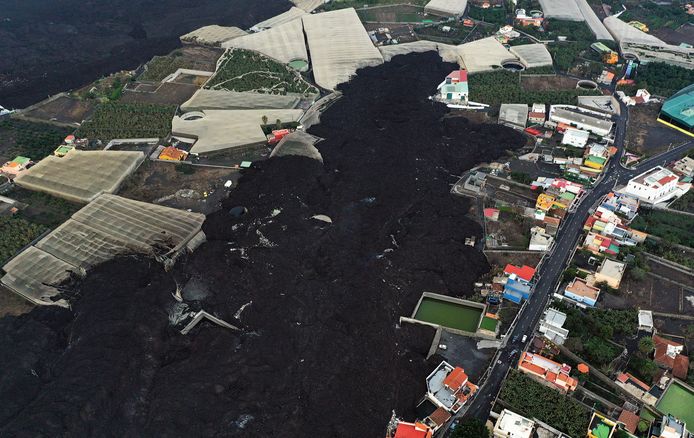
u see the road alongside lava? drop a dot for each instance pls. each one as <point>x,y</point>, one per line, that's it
<point>322,353</point>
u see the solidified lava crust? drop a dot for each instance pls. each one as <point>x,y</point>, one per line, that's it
<point>322,353</point>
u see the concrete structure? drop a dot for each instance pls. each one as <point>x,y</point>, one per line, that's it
<point>604,104</point>
<point>106,227</point>
<point>669,427</point>
<point>547,371</point>
<point>574,117</point>
<point>513,115</point>
<point>339,46</point>
<point>81,176</point>
<point>446,8</point>
<point>632,385</point>
<point>577,138</point>
<point>516,291</point>
<point>482,55</point>
<point>600,426</point>
<point>579,291</point>
<point>284,42</point>
<point>684,167</point>
<point>207,99</point>
<point>511,425</point>
<point>449,387</point>
<point>551,326</point>
<point>220,130</point>
<point>539,239</point>
<point>537,114</point>
<point>212,35</point>
<point>646,52</point>
<point>646,320</point>
<point>532,55</point>
<point>655,185</point>
<point>679,110</point>
<point>610,272</point>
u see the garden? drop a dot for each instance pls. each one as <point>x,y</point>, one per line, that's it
<point>532,399</point>
<point>244,70</point>
<point>674,228</point>
<point>33,140</point>
<point>127,120</point>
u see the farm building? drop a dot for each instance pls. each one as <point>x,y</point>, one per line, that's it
<point>580,120</point>
<point>622,31</point>
<point>13,167</point>
<point>212,35</point>
<point>284,43</point>
<point>298,143</point>
<point>221,130</point>
<point>446,8</point>
<point>455,86</point>
<point>108,226</point>
<point>208,99</point>
<point>654,52</point>
<point>561,10</point>
<point>532,55</point>
<point>577,138</point>
<point>81,176</point>
<point>513,115</point>
<point>339,46</point>
<point>678,111</point>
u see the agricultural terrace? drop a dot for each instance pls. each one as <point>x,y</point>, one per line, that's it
<point>126,120</point>
<point>244,70</point>
<point>162,66</point>
<point>658,16</point>
<point>502,86</point>
<point>663,79</point>
<point>29,139</point>
<point>532,399</point>
<point>15,233</point>
<point>356,4</point>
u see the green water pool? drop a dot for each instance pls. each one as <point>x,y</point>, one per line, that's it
<point>678,401</point>
<point>448,314</point>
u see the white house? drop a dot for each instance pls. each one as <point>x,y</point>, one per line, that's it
<point>575,137</point>
<point>656,185</point>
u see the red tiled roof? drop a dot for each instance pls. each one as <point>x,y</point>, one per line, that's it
<point>630,420</point>
<point>622,378</point>
<point>680,367</point>
<point>460,75</point>
<point>666,179</point>
<point>626,377</point>
<point>660,356</point>
<point>409,430</point>
<point>525,272</point>
<point>536,369</point>
<point>455,379</point>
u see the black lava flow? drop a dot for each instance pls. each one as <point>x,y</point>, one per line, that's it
<point>321,353</point>
<point>49,46</point>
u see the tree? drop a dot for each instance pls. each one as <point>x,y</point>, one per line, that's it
<point>264,120</point>
<point>643,426</point>
<point>574,344</point>
<point>646,345</point>
<point>637,273</point>
<point>472,428</point>
<point>278,124</point>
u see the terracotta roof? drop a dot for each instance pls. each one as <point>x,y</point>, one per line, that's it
<point>440,416</point>
<point>455,379</point>
<point>409,430</point>
<point>532,368</point>
<point>667,179</point>
<point>660,356</point>
<point>525,272</point>
<point>681,367</point>
<point>630,420</point>
<point>626,377</point>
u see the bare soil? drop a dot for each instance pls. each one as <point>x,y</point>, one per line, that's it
<point>683,34</point>
<point>547,83</point>
<point>63,110</point>
<point>321,351</point>
<point>645,135</point>
<point>12,304</point>
<point>499,259</point>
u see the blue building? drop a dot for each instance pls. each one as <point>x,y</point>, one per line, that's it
<point>516,291</point>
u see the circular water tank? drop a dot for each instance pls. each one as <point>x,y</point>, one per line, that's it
<point>238,211</point>
<point>586,85</point>
<point>513,65</point>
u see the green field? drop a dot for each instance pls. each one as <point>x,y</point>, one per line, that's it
<point>15,233</point>
<point>392,14</point>
<point>675,228</point>
<point>678,401</point>
<point>448,314</point>
<point>128,120</point>
<point>244,70</point>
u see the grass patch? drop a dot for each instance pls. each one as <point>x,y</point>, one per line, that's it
<point>15,233</point>
<point>33,140</point>
<point>488,15</point>
<point>489,324</point>
<point>674,228</point>
<point>244,70</point>
<point>162,66</point>
<point>127,120</point>
<point>532,399</point>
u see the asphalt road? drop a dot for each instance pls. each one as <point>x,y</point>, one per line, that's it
<point>549,274</point>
